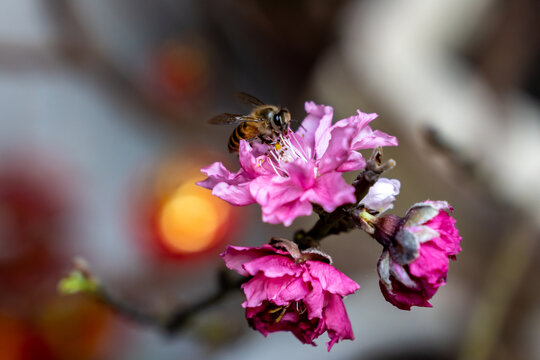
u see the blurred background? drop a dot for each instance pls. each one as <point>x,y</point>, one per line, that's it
<point>103,130</point>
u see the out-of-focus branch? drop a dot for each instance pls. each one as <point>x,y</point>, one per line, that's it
<point>505,274</point>
<point>81,280</point>
<point>16,57</point>
<point>179,317</point>
<point>507,269</point>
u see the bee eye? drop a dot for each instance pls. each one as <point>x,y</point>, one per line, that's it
<point>278,120</point>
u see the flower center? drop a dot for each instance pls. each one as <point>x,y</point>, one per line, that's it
<point>279,311</point>
<point>287,148</point>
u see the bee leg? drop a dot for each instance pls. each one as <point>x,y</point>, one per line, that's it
<point>265,140</point>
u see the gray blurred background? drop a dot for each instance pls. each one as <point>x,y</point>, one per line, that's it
<point>103,130</point>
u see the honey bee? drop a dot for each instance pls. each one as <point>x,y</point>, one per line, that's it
<point>265,122</point>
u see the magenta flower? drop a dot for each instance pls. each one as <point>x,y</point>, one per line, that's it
<point>415,261</point>
<point>302,168</point>
<point>290,291</point>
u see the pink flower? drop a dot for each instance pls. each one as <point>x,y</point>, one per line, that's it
<point>415,261</point>
<point>292,292</point>
<point>302,168</point>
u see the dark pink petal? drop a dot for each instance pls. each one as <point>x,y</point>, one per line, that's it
<point>282,293</point>
<point>431,265</point>
<point>307,331</point>
<point>449,239</point>
<point>273,266</point>
<point>315,299</point>
<point>331,279</point>
<point>330,191</point>
<point>253,315</point>
<point>255,290</point>
<point>236,256</point>
<point>278,291</point>
<point>403,297</point>
<point>336,320</point>
<point>337,151</point>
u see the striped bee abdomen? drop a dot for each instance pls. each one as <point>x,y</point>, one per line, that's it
<point>244,131</point>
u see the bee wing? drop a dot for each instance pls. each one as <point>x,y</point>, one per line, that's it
<point>248,99</point>
<point>226,118</point>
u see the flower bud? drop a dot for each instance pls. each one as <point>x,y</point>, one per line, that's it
<point>417,248</point>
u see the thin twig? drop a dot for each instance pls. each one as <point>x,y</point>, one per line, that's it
<point>177,319</point>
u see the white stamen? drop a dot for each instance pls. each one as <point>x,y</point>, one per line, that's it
<point>283,151</point>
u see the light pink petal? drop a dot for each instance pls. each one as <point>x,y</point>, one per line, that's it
<point>251,160</point>
<point>315,125</point>
<point>302,174</point>
<point>381,195</point>
<point>287,213</point>
<point>331,279</point>
<point>273,191</point>
<point>231,187</point>
<point>337,150</point>
<point>400,274</point>
<point>273,266</point>
<point>369,139</point>
<point>279,199</point>
<point>365,137</point>
<point>330,191</point>
<point>236,256</point>
<point>237,195</point>
<point>354,162</point>
<point>217,173</point>
<point>337,321</point>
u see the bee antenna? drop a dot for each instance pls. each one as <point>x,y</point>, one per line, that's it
<point>298,122</point>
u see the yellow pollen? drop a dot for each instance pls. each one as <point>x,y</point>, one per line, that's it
<point>367,217</point>
<point>277,146</point>
<point>283,311</point>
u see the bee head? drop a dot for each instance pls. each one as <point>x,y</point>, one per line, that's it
<point>280,120</point>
